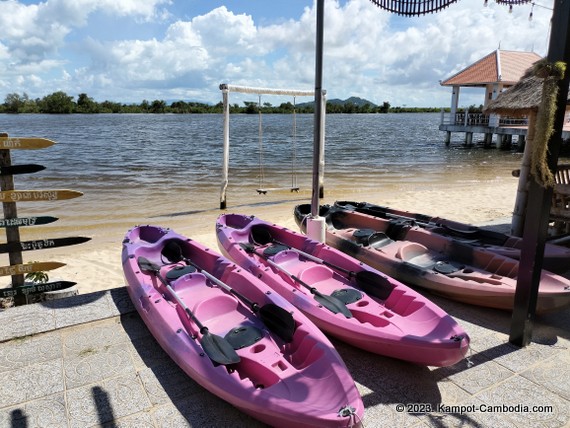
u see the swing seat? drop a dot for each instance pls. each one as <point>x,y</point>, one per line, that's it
<point>263,191</point>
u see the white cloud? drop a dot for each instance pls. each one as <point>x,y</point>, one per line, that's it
<point>368,52</point>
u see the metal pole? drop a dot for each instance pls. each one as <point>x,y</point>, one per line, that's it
<point>226,158</point>
<point>316,224</point>
<point>317,127</point>
<point>539,198</point>
<point>322,146</point>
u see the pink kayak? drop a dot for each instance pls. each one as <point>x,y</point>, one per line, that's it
<point>438,263</point>
<point>556,257</point>
<point>235,336</point>
<point>352,302</point>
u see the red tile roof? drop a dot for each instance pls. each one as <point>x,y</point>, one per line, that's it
<point>506,67</point>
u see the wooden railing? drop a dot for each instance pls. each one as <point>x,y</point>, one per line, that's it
<point>481,119</point>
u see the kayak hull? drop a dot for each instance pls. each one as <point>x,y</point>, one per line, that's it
<point>435,262</point>
<point>300,383</point>
<point>403,325</point>
<point>556,257</point>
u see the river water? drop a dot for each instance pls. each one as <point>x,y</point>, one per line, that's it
<point>138,168</point>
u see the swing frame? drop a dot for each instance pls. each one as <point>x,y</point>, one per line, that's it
<point>226,89</point>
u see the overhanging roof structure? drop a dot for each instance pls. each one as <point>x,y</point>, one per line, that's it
<point>506,67</point>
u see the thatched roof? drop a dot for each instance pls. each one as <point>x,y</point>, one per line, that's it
<point>520,99</point>
<point>525,96</point>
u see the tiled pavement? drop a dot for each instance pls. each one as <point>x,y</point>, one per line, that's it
<point>89,361</point>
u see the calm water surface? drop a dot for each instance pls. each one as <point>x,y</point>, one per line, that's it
<point>134,168</point>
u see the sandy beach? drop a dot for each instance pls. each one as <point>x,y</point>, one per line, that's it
<point>96,265</point>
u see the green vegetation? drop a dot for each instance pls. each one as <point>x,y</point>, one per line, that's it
<point>61,103</point>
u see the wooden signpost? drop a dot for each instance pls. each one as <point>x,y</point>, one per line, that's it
<point>27,221</point>
<point>38,195</point>
<point>20,290</point>
<point>27,290</point>
<point>41,244</point>
<point>21,169</point>
<point>11,143</point>
<point>22,269</point>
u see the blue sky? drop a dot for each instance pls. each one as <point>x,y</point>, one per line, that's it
<point>132,50</point>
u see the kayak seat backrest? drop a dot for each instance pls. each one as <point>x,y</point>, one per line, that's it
<point>379,240</point>
<point>370,237</point>
<point>316,273</point>
<point>397,229</point>
<point>411,250</point>
<point>289,260</point>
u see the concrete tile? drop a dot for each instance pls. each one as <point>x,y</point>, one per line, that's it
<point>134,326</point>
<point>93,336</point>
<point>105,401</point>
<point>466,414</point>
<point>97,364</point>
<point>486,340</point>
<point>119,301</point>
<point>138,420</point>
<point>146,352</point>
<point>204,410</point>
<point>31,382</point>
<point>46,412</point>
<point>516,393</point>
<point>81,309</point>
<point>553,374</point>
<point>30,350</point>
<point>386,415</point>
<point>25,320</point>
<point>168,382</point>
<point>480,376</point>
<point>515,358</point>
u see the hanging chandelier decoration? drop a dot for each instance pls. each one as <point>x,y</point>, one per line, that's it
<point>422,7</point>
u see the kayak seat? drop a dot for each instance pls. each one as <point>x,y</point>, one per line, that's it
<point>316,273</point>
<point>410,251</point>
<point>372,238</point>
<point>221,308</point>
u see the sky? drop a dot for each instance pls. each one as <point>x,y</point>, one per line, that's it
<point>133,50</point>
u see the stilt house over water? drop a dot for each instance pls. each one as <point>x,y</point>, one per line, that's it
<point>495,72</point>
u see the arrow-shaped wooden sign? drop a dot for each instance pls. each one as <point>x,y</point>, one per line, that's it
<point>29,267</point>
<point>24,143</point>
<point>38,195</point>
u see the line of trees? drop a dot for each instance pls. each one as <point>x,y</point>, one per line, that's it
<point>61,103</point>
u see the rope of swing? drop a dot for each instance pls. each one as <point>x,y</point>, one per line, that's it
<point>294,154</point>
<point>260,134</point>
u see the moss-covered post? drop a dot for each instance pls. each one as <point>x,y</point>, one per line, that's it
<point>539,197</point>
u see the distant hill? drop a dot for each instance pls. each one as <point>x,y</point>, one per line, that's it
<point>359,102</point>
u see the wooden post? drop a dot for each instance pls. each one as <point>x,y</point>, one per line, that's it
<point>517,223</point>
<point>521,143</point>
<point>539,198</point>
<point>10,211</point>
